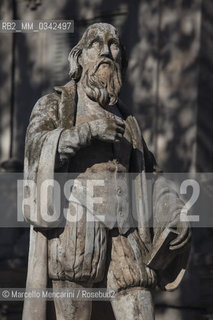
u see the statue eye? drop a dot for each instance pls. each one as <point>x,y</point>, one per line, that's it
<point>95,45</point>
<point>114,45</point>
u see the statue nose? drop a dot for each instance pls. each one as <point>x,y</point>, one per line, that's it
<point>105,51</point>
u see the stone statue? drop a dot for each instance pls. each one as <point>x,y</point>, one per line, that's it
<point>84,129</point>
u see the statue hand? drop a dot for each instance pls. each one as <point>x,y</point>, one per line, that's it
<point>109,130</point>
<point>71,140</point>
<point>184,236</point>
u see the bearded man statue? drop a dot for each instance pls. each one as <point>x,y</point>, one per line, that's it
<point>84,129</point>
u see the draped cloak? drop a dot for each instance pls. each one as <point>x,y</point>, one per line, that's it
<point>51,115</point>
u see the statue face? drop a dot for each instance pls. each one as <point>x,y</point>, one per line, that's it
<point>101,65</point>
<point>100,45</point>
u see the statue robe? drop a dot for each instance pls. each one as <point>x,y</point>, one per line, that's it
<point>51,115</point>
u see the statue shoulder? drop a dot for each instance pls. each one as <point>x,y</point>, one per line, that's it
<point>57,107</point>
<point>47,102</point>
<point>51,101</point>
<point>45,109</point>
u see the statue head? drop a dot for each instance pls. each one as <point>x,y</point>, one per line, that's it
<point>99,62</point>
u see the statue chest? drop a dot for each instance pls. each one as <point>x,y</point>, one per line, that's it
<point>102,156</point>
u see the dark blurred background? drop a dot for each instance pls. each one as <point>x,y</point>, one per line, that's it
<point>169,85</point>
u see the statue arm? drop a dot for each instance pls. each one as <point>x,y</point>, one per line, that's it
<point>166,208</point>
<point>167,204</point>
<point>43,122</point>
<point>71,140</point>
<point>40,150</point>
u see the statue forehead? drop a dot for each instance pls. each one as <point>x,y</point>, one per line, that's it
<point>101,29</point>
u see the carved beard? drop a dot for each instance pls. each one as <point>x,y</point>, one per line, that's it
<point>103,87</point>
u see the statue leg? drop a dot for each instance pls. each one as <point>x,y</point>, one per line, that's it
<point>133,304</point>
<point>68,309</point>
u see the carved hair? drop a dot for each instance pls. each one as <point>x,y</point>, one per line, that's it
<point>75,67</point>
